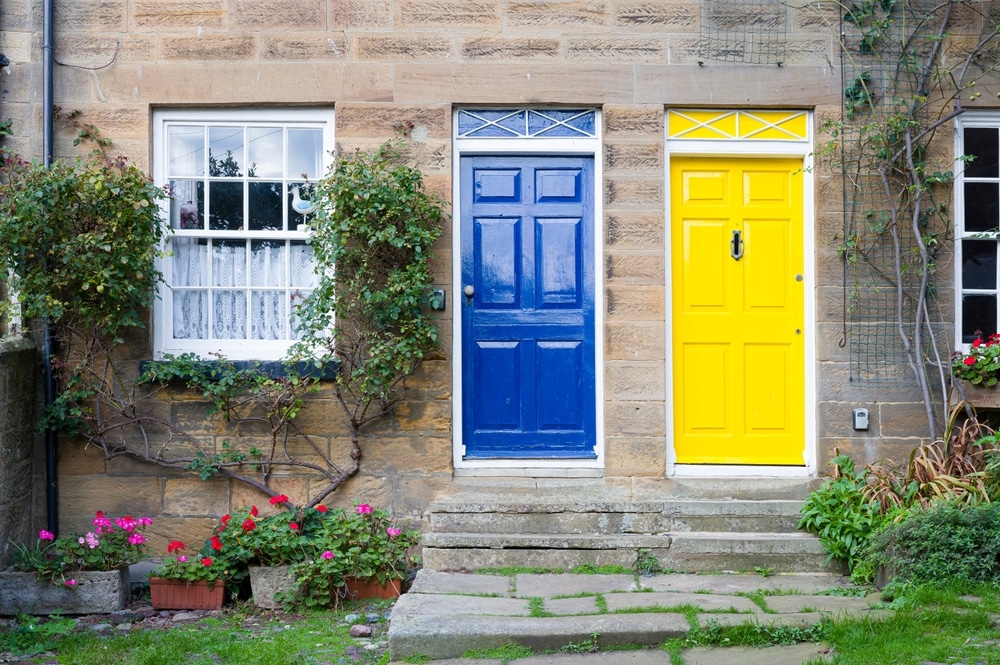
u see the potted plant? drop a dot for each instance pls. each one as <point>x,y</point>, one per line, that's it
<point>189,583</point>
<point>75,573</point>
<point>980,368</point>
<point>377,553</point>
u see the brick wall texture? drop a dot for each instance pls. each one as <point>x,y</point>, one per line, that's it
<point>381,63</point>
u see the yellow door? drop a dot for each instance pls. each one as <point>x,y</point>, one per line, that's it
<point>738,310</point>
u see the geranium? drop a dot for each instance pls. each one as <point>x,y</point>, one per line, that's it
<point>281,498</point>
<point>174,546</point>
<point>249,524</point>
<point>216,543</point>
<point>327,555</point>
<point>363,509</point>
<point>293,526</point>
<point>106,548</point>
<point>321,508</point>
<point>981,365</point>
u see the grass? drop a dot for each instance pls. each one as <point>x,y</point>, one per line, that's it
<point>236,637</point>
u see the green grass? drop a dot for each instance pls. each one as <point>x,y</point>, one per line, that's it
<point>504,654</point>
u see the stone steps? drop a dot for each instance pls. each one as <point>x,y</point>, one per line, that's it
<point>698,527</point>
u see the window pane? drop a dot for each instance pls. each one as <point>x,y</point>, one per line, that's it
<point>186,145</point>
<point>984,143</point>
<point>189,266</point>
<point>230,314</point>
<point>267,263</point>
<point>979,317</point>
<point>229,263</point>
<point>305,192</point>
<point>225,152</point>
<point>265,206</point>
<point>979,264</point>
<point>187,202</point>
<point>982,206</point>
<point>296,299</point>
<point>225,212</point>
<point>267,150</point>
<point>302,274</point>
<point>305,153</point>
<point>269,314</point>
<point>190,314</point>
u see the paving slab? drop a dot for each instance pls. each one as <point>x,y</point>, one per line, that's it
<point>417,604</point>
<point>549,586</point>
<point>735,583</point>
<point>451,636</point>
<point>569,606</point>
<point>651,656</point>
<point>431,581</point>
<point>808,582</point>
<point>786,655</point>
<point>800,619</point>
<point>704,601</point>
<point>834,604</point>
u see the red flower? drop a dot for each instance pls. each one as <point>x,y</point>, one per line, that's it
<point>321,508</point>
<point>293,526</point>
<point>100,514</point>
<point>207,561</point>
<point>174,545</point>
<point>225,519</point>
<point>976,343</point>
<point>216,543</point>
<point>249,525</point>
<point>969,360</point>
<point>253,510</point>
<point>281,498</point>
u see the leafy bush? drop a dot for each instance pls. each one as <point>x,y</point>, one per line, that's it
<point>946,541</point>
<point>841,514</point>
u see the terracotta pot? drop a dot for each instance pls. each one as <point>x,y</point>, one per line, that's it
<point>371,588</point>
<point>183,595</point>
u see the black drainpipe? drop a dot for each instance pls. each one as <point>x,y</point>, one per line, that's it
<point>51,493</point>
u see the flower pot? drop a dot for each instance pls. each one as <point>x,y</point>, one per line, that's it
<point>96,592</point>
<point>372,588</point>
<point>265,581</point>
<point>980,396</point>
<point>171,594</point>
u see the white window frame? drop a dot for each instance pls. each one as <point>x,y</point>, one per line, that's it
<point>164,341</point>
<point>971,119</point>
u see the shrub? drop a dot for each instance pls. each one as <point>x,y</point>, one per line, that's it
<point>945,541</point>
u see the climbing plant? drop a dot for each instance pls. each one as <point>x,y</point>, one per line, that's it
<point>907,77</point>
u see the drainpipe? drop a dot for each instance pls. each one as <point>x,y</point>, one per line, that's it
<point>51,495</point>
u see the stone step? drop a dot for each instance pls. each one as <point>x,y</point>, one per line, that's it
<point>770,516</point>
<point>741,551</point>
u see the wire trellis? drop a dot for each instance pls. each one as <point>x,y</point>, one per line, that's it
<point>884,50</point>
<point>747,31</point>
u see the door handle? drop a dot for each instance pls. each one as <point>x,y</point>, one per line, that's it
<point>736,245</point>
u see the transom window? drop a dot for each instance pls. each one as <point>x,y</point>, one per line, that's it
<point>238,257</point>
<point>977,198</point>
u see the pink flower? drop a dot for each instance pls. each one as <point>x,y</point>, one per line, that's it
<point>45,535</point>
<point>393,531</point>
<point>102,522</point>
<point>81,540</point>
<point>363,509</point>
<point>92,540</point>
<point>136,539</point>
<point>182,559</point>
<point>328,555</point>
<point>71,583</point>
<point>281,498</point>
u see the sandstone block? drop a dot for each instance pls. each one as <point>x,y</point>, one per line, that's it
<point>361,14</point>
<point>555,13</point>
<point>905,419</point>
<point>617,49</point>
<point>81,496</point>
<point>865,450</point>
<point>640,303</point>
<point>217,47</point>
<point>176,14</point>
<point>271,14</point>
<point>193,497</point>
<point>833,420</point>
<point>375,121</point>
<point>641,157</point>
<point>634,340</point>
<point>724,84</point>
<point>633,192</point>
<point>76,458</point>
<point>633,121</point>
<point>90,15</point>
<point>14,15</point>
<point>423,416</point>
<point>298,48</point>
<point>393,456</point>
<point>401,47</point>
<point>835,384</point>
<point>635,456</point>
<point>634,268</point>
<point>192,531</point>
<point>625,419</point>
<point>294,487</point>
<point>448,14</point>
<point>658,15</point>
<point>641,230</point>
<point>16,45</point>
<point>635,381</point>
<point>503,48</point>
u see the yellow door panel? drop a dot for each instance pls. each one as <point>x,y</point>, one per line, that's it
<point>739,355</point>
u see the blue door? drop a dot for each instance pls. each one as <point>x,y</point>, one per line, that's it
<point>527,301</point>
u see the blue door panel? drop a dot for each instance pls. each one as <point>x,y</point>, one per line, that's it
<point>528,365</point>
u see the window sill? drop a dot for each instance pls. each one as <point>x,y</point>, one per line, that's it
<point>273,368</point>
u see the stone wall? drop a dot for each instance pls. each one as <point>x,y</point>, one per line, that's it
<point>384,63</point>
<point>18,379</point>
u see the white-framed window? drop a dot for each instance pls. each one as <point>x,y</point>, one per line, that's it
<point>977,213</point>
<point>237,255</point>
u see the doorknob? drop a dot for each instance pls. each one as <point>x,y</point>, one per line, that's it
<point>736,245</point>
<point>469,290</point>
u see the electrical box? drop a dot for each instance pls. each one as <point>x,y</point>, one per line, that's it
<point>860,419</point>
